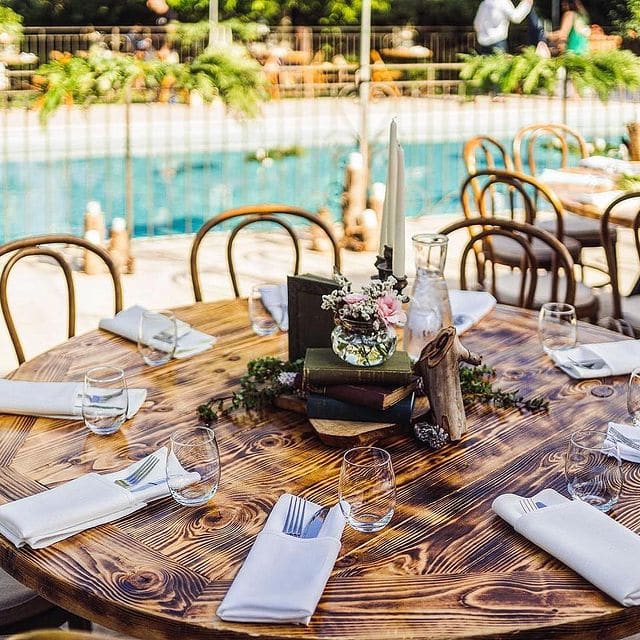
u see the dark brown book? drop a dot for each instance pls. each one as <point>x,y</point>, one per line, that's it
<point>323,367</point>
<point>367,395</point>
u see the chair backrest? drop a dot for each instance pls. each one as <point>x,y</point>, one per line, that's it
<point>250,215</point>
<point>483,229</point>
<point>42,246</point>
<point>525,195</point>
<point>560,135</point>
<point>609,244</point>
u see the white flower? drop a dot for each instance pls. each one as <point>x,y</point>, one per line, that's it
<point>287,378</point>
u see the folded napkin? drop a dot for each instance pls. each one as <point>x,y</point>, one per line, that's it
<point>569,178</point>
<point>612,165</point>
<point>601,550</point>
<point>276,301</point>
<point>87,501</point>
<point>618,358</point>
<point>53,399</point>
<point>127,322</point>
<point>283,577</point>
<point>631,433</point>
<point>469,307</point>
<point>602,199</point>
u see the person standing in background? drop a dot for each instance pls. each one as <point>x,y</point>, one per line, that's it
<point>574,31</point>
<point>492,23</point>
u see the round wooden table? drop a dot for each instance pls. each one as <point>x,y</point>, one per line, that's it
<point>446,567</point>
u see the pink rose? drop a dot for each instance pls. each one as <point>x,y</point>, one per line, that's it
<point>390,310</point>
<point>354,298</point>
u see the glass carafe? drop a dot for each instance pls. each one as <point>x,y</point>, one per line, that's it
<point>429,309</point>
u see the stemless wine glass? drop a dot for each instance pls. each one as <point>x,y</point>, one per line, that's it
<point>193,466</point>
<point>633,396</point>
<point>265,309</point>
<point>593,468</point>
<point>157,336</point>
<point>367,488</point>
<point>105,400</point>
<point>557,326</point>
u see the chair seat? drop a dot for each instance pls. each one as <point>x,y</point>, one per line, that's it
<point>509,252</point>
<point>584,230</point>
<point>586,303</point>
<point>17,602</point>
<point>631,311</point>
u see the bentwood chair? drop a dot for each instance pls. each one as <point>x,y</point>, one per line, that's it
<point>557,138</point>
<point>626,206</point>
<point>523,286</point>
<point>51,247</point>
<point>253,214</point>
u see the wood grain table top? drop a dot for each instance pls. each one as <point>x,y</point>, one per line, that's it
<point>446,566</point>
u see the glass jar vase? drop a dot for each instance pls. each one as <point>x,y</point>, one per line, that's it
<point>359,343</point>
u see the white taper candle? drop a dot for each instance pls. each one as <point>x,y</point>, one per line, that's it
<point>398,241</point>
<point>388,210</point>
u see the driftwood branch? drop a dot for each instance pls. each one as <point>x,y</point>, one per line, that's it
<point>438,366</point>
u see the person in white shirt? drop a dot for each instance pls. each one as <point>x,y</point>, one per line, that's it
<point>492,23</point>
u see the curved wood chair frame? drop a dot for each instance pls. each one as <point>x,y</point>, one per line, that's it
<point>522,233</point>
<point>609,244</point>
<point>530,135</point>
<point>39,246</point>
<point>254,214</point>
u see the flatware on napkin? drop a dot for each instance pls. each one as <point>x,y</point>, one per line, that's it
<point>469,307</point>
<point>618,358</point>
<point>601,550</point>
<point>628,439</point>
<point>283,576</point>
<point>126,324</point>
<point>92,499</point>
<point>53,399</point>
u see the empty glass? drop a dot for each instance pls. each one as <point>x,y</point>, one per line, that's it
<point>367,488</point>
<point>593,468</point>
<point>157,336</point>
<point>633,396</point>
<point>266,309</point>
<point>557,326</point>
<point>193,466</point>
<point>105,400</point>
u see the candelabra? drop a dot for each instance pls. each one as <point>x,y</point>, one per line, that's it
<point>384,264</point>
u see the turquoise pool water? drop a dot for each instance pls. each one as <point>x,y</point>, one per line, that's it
<point>176,193</point>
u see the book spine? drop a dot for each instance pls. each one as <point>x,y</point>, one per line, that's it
<point>353,395</point>
<point>357,376</point>
<point>323,407</point>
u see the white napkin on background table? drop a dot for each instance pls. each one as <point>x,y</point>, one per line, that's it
<point>283,577</point>
<point>276,301</point>
<point>127,322</point>
<point>53,399</point>
<point>619,357</point>
<point>601,550</point>
<point>92,499</point>
<point>569,178</point>
<point>604,163</point>
<point>627,452</point>
<point>469,307</point>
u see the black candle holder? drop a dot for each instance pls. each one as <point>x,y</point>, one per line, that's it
<point>384,264</point>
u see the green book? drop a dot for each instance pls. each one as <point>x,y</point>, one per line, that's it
<point>322,366</point>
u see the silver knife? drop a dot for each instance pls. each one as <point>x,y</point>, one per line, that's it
<point>313,527</point>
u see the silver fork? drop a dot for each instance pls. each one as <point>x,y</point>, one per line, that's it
<point>294,520</point>
<point>529,505</point>
<point>138,474</point>
<point>621,438</point>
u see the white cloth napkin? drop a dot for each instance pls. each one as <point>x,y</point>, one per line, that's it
<point>619,358</point>
<point>283,577</point>
<point>627,452</point>
<point>126,324</point>
<point>276,301</point>
<point>469,307</point>
<point>603,163</point>
<point>53,399</point>
<point>553,176</point>
<point>601,550</point>
<point>44,518</point>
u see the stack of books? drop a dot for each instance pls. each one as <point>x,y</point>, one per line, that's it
<point>339,391</point>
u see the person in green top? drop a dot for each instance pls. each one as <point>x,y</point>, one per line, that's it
<point>573,34</point>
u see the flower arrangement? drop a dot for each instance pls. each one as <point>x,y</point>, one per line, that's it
<point>377,303</point>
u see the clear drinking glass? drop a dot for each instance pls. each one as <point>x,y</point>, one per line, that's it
<point>157,336</point>
<point>265,309</point>
<point>633,396</point>
<point>593,468</point>
<point>367,488</point>
<point>193,450</point>
<point>105,400</point>
<point>557,326</point>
